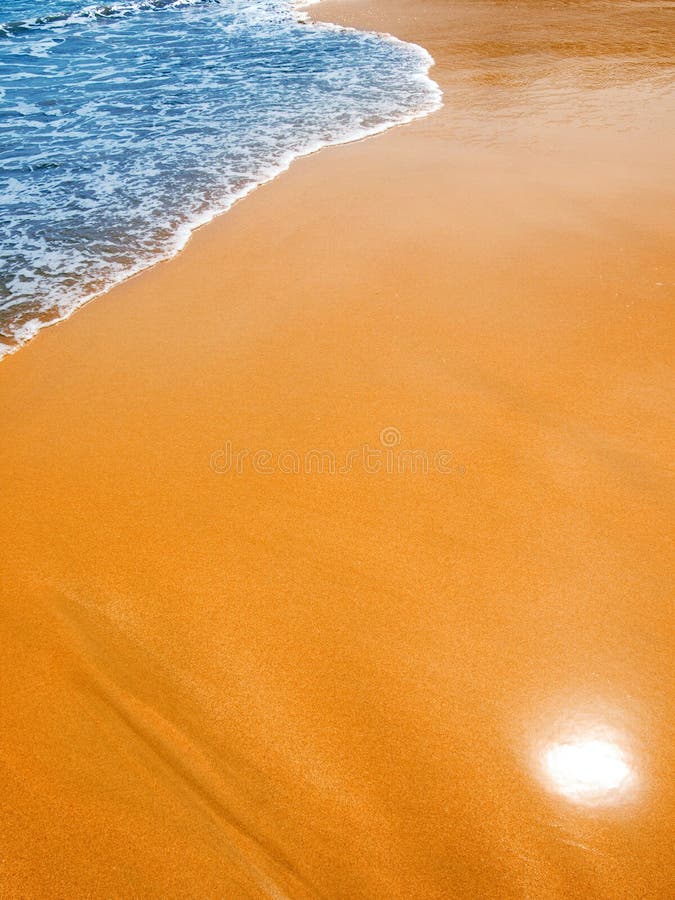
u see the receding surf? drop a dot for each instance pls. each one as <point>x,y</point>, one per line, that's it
<point>127,125</point>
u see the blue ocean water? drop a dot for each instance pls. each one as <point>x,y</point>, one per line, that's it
<point>125,125</point>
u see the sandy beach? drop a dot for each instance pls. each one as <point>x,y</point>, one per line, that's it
<point>223,677</point>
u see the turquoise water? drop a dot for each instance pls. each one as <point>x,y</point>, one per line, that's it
<point>123,126</point>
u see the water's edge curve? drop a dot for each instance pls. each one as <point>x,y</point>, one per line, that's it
<point>185,231</point>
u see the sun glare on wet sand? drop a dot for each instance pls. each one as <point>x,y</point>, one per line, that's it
<point>588,771</point>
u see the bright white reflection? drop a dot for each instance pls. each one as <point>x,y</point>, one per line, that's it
<point>589,770</point>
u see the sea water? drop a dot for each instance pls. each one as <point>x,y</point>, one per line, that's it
<point>125,125</point>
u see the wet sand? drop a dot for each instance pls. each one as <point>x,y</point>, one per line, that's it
<point>222,683</point>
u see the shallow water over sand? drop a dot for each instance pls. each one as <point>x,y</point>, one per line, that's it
<point>127,125</point>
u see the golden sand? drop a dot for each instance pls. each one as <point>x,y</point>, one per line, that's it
<point>367,684</point>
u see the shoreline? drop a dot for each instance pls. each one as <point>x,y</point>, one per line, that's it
<point>187,229</point>
<point>366,684</point>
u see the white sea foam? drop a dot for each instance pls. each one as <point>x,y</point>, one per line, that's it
<point>375,99</point>
<point>63,19</point>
